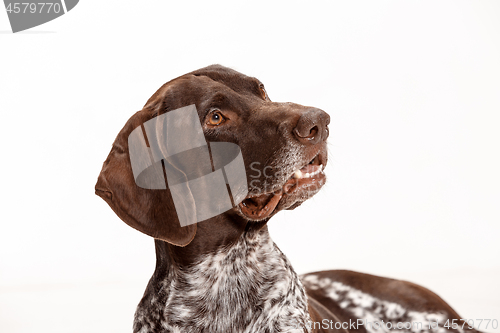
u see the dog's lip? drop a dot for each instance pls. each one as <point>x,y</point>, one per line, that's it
<point>311,169</point>
<point>309,175</point>
<point>259,207</point>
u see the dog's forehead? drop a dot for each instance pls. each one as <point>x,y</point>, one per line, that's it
<point>207,92</point>
<point>228,77</point>
<point>221,73</point>
<point>204,92</point>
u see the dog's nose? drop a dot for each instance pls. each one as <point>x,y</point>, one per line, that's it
<point>312,126</point>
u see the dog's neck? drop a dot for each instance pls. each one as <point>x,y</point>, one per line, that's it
<point>243,283</point>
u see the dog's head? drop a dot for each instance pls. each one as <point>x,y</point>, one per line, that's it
<point>283,147</point>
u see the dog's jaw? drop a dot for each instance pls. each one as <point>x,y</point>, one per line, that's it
<point>302,177</point>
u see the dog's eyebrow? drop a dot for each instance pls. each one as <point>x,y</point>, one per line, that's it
<point>221,100</point>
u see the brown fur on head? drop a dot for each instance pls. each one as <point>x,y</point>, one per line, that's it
<point>276,140</point>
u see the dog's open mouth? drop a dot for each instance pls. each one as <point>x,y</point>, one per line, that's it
<point>309,177</point>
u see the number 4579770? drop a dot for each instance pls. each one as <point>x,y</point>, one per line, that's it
<point>485,323</point>
<point>32,7</point>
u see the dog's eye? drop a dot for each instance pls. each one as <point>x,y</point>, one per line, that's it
<point>216,118</point>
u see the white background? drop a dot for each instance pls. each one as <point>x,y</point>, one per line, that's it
<point>413,91</point>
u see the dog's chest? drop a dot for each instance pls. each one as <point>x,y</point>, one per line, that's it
<point>249,287</point>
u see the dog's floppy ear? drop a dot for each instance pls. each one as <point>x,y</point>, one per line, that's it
<point>150,211</point>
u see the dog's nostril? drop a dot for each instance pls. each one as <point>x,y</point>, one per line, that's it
<point>306,132</point>
<point>313,132</point>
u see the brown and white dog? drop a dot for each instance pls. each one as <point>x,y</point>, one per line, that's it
<point>225,274</point>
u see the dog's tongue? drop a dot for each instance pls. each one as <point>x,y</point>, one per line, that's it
<point>260,207</point>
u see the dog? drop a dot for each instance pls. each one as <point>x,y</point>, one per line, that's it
<point>225,274</point>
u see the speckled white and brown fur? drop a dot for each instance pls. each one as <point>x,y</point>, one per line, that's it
<point>247,287</point>
<point>382,315</point>
<point>374,310</point>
